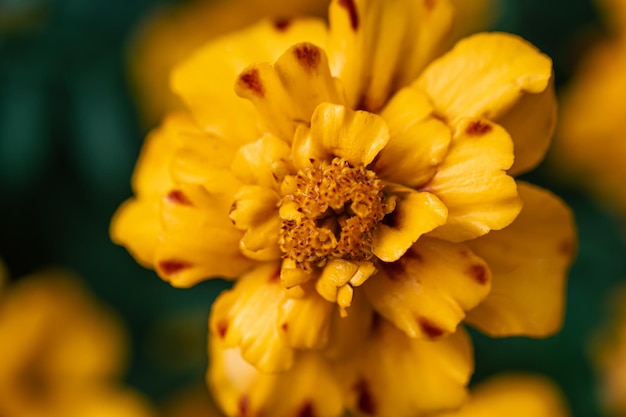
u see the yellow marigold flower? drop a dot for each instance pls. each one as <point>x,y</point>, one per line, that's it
<point>590,143</point>
<point>361,192</point>
<point>62,355</point>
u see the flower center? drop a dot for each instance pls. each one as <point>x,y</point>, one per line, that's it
<point>331,211</point>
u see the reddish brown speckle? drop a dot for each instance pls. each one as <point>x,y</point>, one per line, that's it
<point>251,80</point>
<point>308,56</point>
<point>306,410</point>
<point>285,326</point>
<point>566,248</point>
<point>275,277</point>
<point>430,329</point>
<point>172,266</point>
<point>243,406</point>
<point>222,328</point>
<point>478,128</point>
<point>365,401</point>
<point>351,8</point>
<point>430,4</point>
<point>233,207</point>
<point>479,274</point>
<point>282,24</point>
<point>178,197</point>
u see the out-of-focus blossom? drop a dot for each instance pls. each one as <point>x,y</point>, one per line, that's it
<point>609,355</point>
<point>362,194</point>
<point>62,353</point>
<point>590,144</point>
<point>514,395</point>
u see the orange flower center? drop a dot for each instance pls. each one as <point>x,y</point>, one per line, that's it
<point>337,208</point>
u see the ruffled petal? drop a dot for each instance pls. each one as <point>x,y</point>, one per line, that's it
<point>416,213</point>
<point>255,211</point>
<point>136,225</point>
<point>206,80</point>
<point>338,279</point>
<point>306,319</point>
<point>247,317</point>
<point>427,292</point>
<point>267,323</point>
<point>531,123</point>
<point>263,162</point>
<point>287,93</point>
<point>199,241</point>
<point>396,375</point>
<point>529,261</point>
<point>377,47</point>
<point>418,141</point>
<point>240,390</point>
<point>514,395</point>
<point>355,136</point>
<point>491,75</point>
<point>473,184</point>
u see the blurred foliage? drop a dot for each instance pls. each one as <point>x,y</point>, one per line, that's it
<point>69,136</point>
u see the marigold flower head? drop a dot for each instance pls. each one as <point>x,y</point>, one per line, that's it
<point>62,354</point>
<point>361,191</point>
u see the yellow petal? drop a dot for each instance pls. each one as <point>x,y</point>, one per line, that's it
<point>204,159</point>
<point>247,317</point>
<point>377,47</point>
<point>306,320</point>
<point>418,141</point>
<point>263,162</point>
<point>339,276</point>
<point>427,292</point>
<point>136,225</point>
<point>514,395</point>
<point>473,184</point>
<point>338,131</point>
<point>206,80</point>
<point>241,390</point>
<point>484,75</point>
<point>199,241</point>
<point>287,93</point>
<point>529,261</point>
<point>349,332</point>
<point>398,376</point>
<point>490,75</point>
<point>531,123</point>
<point>416,213</point>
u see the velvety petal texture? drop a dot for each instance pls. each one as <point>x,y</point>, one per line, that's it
<point>379,47</point>
<point>473,183</point>
<point>242,391</point>
<point>427,292</point>
<point>529,260</point>
<point>395,375</point>
<point>206,80</point>
<point>489,75</point>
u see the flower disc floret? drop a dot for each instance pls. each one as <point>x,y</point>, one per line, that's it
<point>330,211</point>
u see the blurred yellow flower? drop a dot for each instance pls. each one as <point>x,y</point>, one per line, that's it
<point>514,395</point>
<point>62,354</point>
<point>361,191</point>
<point>590,144</point>
<point>609,356</point>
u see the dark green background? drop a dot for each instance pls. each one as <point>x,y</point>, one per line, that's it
<point>69,136</point>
